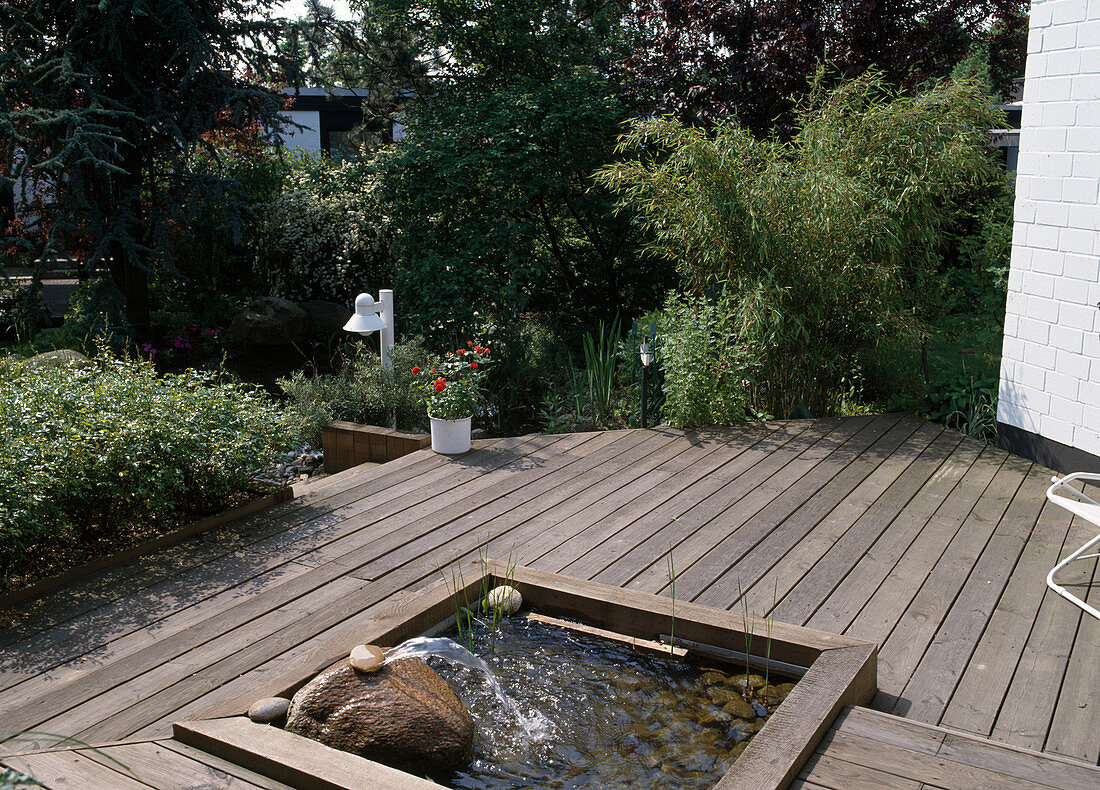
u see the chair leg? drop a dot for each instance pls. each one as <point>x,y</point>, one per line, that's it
<point>1077,555</point>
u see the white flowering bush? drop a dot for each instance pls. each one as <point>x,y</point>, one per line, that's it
<point>324,237</point>
<point>90,456</point>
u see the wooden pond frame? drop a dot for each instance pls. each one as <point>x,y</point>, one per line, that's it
<point>840,671</point>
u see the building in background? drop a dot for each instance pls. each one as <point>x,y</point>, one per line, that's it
<point>332,121</point>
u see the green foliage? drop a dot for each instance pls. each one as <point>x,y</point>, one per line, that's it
<point>707,368</point>
<point>231,192</point>
<point>360,392</point>
<point>90,453</point>
<point>97,309</point>
<point>325,236</point>
<point>600,360</point>
<point>964,403</point>
<point>829,243</point>
<point>22,310</point>
<point>497,214</point>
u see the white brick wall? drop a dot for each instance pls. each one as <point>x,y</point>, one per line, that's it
<point>1050,368</point>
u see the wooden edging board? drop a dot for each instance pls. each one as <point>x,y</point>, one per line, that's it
<point>841,671</point>
<point>279,495</point>
<point>348,444</point>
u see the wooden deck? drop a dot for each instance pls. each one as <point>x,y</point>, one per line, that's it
<point>886,528</point>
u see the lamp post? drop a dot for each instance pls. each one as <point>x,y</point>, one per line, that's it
<point>367,320</point>
<point>646,356</point>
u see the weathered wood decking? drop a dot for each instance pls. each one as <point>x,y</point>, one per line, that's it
<point>885,528</point>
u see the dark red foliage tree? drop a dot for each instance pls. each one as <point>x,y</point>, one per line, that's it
<point>708,60</point>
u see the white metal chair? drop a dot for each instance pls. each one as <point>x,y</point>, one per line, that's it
<point>1077,503</point>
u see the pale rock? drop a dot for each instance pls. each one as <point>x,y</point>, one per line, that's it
<point>505,599</point>
<point>366,658</point>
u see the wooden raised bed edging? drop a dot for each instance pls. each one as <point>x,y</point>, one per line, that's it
<point>839,671</point>
<point>278,496</point>
<point>348,444</point>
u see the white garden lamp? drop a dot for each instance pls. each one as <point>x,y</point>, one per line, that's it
<point>371,316</point>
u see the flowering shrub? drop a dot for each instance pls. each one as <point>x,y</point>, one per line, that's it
<point>452,389</point>
<point>90,456</point>
<point>323,238</point>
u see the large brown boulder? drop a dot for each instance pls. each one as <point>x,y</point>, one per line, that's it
<point>404,715</point>
<point>270,321</point>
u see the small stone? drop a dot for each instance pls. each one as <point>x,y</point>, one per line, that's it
<point>752,682</point>
<point>367,658</point>
<point>740,708</point>
<point>268,709</point>
<point>504,598</point>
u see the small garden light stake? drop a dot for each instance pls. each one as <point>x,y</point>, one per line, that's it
<point>646,355</point>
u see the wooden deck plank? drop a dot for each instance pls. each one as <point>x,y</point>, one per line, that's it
<point>910,635</point>
<point>233,652</point>
<point>71,770</point>
<point>974,705</point>
<point>733,504</point>
<point>793,565</point>
<point>1072,730</point>
<point>925,528</point>
<point>642,558</point>
<point>614,537</point>
<point>1010,761</point>
<point>170,643</point>
<point>117,617</point>
<point>153,764</point>
<point>37,617</point>
<point>932,683</point>
<point>798,605</point>
<point>224,766</point>
<point>741,527</point>
<point>1028,707</point>
<point>855,519</point>
<point>834,773</point>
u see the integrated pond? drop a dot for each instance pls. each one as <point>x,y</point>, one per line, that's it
<point>582,711</point>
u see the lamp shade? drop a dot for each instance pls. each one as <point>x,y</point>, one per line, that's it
<point>366,318</point>
<point>645,354</point>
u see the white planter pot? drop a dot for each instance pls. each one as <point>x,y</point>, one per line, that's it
<point>450,437</point>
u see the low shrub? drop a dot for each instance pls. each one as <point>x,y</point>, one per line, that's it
<point>360,392</point>
<point>96,454</point>
<point>707,369</point>
<point>964,403</point>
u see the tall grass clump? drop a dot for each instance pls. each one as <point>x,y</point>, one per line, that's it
<point>94,455</point>
<point>826,243</point>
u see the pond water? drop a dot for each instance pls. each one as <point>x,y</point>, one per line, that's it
<point>593,713</point>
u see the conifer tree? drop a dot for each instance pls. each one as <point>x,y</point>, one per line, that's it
<point>101,102</point>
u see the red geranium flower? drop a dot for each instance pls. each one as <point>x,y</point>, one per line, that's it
<point>469,342</point>
<point>440,385</point>
<point>473,364</point>
<point>460,351</point>
<point>433,370</point>
<point>416,369</point>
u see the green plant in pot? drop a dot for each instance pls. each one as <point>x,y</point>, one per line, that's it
<point>452,393</point>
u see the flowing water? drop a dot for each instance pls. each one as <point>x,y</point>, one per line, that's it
<point>569,710</point>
